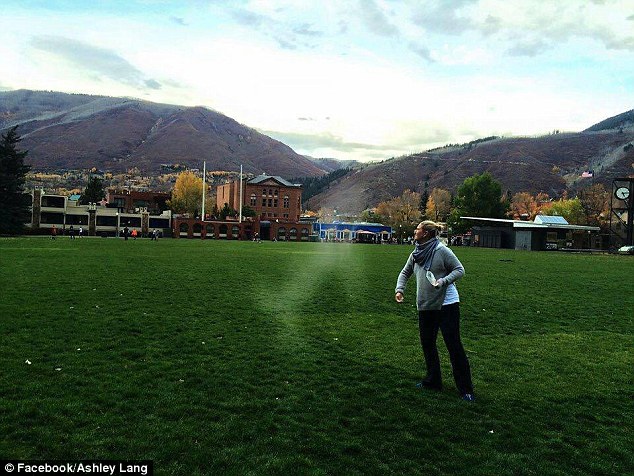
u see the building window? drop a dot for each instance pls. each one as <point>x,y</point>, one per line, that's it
<point>235,231</point>
<point>275,203</point>
<point>197,228</point>
<point>130,221</point>
<point>286,201</point>
<point>210,230</point>
<point>52,202</point>
<point>77,219</point>
<point>275,192</point>
<point>281,234</point>
<point>293,233</point>
<point>159,223</point>
<point>184,227</point>
<point>270,202</point>
<point>106,220</point>
<point>304,234</point>
<point>286,215</point>
<point>50,217</point>
<point>270,192</point>
<point>264,202</point>
<point>223,231</point>
<point>253,199</point>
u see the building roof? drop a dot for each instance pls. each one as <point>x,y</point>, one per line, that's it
<point>356,227</point>
<point>262,178</point>
<point>561,224</point>
<point>551,220</point>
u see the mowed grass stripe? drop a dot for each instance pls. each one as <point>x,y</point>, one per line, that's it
<point>248,358</point>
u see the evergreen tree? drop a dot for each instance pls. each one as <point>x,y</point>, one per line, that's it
<point>227,211</point>
<point>94,191</point>
<point>247,211</point>
<point>424,198</point>
<point>14,203</point>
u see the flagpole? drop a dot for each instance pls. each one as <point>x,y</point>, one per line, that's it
<point>204,187</point>
<point>240,219</point>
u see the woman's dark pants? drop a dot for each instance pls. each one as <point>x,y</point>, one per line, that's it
<point>447,320</point>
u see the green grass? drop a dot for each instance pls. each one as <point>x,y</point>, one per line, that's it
<point>293,358</point>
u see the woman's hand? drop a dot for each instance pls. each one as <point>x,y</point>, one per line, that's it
<point>399,297</point>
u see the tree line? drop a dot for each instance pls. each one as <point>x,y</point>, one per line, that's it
<point>481,196</point>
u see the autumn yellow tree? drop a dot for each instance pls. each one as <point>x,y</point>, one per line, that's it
<point>410,207</point>
<point>570,209</point>
<point>401,213</point>
<point>438,204</point>
<point>523,204</point>
<point>400,210</point>
<point>187,195</point>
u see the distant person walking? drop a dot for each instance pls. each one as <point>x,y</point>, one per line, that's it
<point>71,232</point>
<point>436,268</point>
<point>81,232</point>
<point>134,233</point>
<point>53,232</point>
<point>125,233</point>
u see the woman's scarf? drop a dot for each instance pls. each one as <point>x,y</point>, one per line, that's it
<point>424,252</point>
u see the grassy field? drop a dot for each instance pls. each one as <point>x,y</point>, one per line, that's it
<point>293,358</point>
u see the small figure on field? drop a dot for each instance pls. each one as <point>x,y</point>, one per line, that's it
<point>134,234</point>
<point>81,232</point>
<point>53,232</point>
<point>125,233</point>
<point>436,268</point>
<point>71,232</point>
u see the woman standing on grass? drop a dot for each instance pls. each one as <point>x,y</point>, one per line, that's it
<point>437,268</point>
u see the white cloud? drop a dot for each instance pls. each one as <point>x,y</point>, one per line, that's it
<point>93,60</point>
<point>393,77</point>
<point>374,18</point>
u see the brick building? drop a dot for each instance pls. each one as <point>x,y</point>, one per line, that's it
<point>272,197</point>
<point>276,202</point>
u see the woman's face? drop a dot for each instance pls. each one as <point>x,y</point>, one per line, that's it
<point>420,234</point>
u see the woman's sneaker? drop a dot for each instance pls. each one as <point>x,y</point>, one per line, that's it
<point>468,397</point>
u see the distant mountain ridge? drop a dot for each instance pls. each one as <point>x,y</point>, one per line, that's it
<point>552,164</point>
<point>620,121</point>
<point>78,131</point>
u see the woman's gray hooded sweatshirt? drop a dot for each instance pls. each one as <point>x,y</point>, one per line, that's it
<point>444,265</point>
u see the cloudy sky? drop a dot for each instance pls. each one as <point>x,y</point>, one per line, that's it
<point>350,79</point>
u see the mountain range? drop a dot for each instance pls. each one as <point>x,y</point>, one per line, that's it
<point>78,131</point>
<point>553,164</point>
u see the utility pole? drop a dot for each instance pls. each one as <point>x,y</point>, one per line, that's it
<point>204,187</point>
<point>240,219</point>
